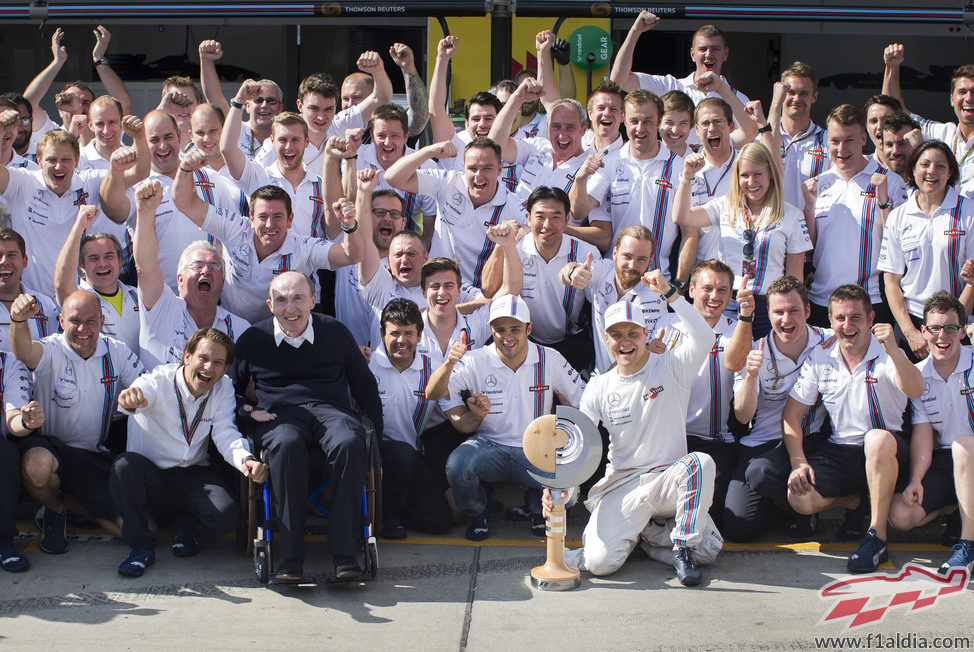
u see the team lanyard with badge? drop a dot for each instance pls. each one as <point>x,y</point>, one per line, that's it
<point>710,192</point>
<point>953,149</point>
<point>189,429</point>
<point>749,266</point>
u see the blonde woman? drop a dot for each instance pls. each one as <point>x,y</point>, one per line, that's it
<point>761,237</point>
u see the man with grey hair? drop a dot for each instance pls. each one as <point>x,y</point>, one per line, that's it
<point>552,162</point>
<point>166,321</point>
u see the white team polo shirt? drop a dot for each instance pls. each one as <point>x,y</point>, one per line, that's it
<point>382,289</point>
<point>947,405</point>
<point>777,376</point>
<point>645,413</point>
<point>416,203</point>
<point>516,397</point>
<point>856,402</point>
<point>351,308</point>
<point>24,162</point>
<point>461,229</point>
<point>35,136</point>
<point>555,307</point>
<point>631,191</point>
<point>849,229</point>
<point>660,84</point>
<point>602,292</point>
<point>156,431</point>
<point>804,156</point>
<point>928,252</point>
<point>17,383</point>
<point>307,200</point>
<point>164,330</point>
<point>588,142</point>
<point>80,396</point>
<point>537,127</point>
<point>248,143</point>
<point>476,326</point>
<point>771,243</point>
<point>535,162</point>
<point>45,220</point>
<point>122,326</point>
<point>948,133</point>
<point>460,140</point>
<point>91,159</point>
<point>247,277</point>
<point>711,182</point>
<point>41,325</point>
<point>217,188</point>
<point>406,412</point>
<point>350,118</point>
<point>712,388</point>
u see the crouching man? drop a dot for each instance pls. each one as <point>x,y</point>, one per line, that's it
<point>642,403</point>
<point>174,411</point>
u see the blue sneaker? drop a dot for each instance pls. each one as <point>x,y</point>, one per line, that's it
<point>871,553</point>
<point>11,560</point>
<point>962,557</point>
<point>184,545</point>
<point>479,528</point>
<point>138,560</point>
<point>54,532</point>
<point>686,571</point>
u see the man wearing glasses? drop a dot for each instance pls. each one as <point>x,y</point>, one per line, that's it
<point>943,434</point>
<point>262,107</point>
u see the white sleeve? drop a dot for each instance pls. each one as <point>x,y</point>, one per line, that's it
<point>598,186</point>
<point>798,239</point>
<point>430,181</point>
<point>891,257</point>
<point>691,352</point>
<point>16,383</point>
<point>225,226</point>
<point>589,403</point>
<point>231,444</point>
<point>658,84</point>
<point>461,378</point>
<point>567,380</point>
<point>715,209</point>
<point>805,389</point>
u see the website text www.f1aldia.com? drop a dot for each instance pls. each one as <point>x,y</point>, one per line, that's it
<point>906,641</point>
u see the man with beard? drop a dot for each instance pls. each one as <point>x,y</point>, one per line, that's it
<point>900,136</point>
<point>260,248</point>
<point>20,156</point>
<point>606,282</point>
<point>72,371</point>
<point>168,320</point>
<point>864,382</point>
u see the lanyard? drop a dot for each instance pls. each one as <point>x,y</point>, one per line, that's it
<point>954,148</point>
<point>188,429</point>
<point>797,139</point>
<point>730,164</point>
<point>774,365</point>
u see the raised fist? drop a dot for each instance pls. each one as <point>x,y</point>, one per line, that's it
<point>123,158</point>
<point>132,399</point>
<point>133,126</point>
<point>402,55</point>
<point>369,62</point>
<point>211,50</point>
<point>23,308</point>
<point>692,164</point>
<point>656,282</point>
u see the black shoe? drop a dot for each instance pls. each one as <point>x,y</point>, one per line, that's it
<point>538,525</point>
<point>290,572</point>
<point>686,572</point>
<point>393,530</point>
<point>519,513</point>
<point>184,545</point>
<point>494,506</point>
<point>54,540</point>
<point>346,568</point>
<point>951,533</point>
<point>853,528</point>
<point>802,526</point>
<point>479,528</point>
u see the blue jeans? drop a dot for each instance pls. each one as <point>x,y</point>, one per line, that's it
<point>479,460</point>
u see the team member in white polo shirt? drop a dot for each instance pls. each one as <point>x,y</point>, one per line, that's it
<point>21,417</point>
<point>259,248</point>
<point>804,153</point>
<point>44,203</point>
<point>175,230</point>
<point>13,261</point>
<point>166,320</point>
<point>926,242</point>
<point>411,493</point>
<point>106,121</point>
<point>175,411</point>
<point>15,132</point>
<point>633,185</point>
<point>99,256</point>
<point>555,308</point>
<point>959,135</point>
<point>708,410</point>
<point>78,375</point>
<point>900,136</point>
<point>261,107</point>
<point>512,382</point>
<point>708,51</point>
<point>864,382</point>
<point>760,477</point>
<point>289,136</point>
<point>605,282</point>
<point>216,189</point>
<point>848,205</point>
<point>468,203</point>
<point>553,161</point>
<point>605,115</point>
<point>642,403</point>
<point>943,436</point>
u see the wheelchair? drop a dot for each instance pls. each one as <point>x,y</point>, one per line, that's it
<point>261,523</point>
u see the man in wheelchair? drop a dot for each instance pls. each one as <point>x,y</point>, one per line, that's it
<point>293,374</point>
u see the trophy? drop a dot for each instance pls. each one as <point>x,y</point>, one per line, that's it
<point>567,447</point>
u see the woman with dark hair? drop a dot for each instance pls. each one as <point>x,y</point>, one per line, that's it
<point>926,242</point>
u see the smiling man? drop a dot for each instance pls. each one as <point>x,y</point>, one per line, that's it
<point>166,467</point>
<point>258,249</point>
<point>13,261</point>
<point>78,375</point>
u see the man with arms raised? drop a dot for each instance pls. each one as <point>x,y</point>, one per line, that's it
<point>864,382</point>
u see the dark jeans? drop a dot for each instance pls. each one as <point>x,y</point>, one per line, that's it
<point>9,489</point>
<point>746,511</point>
<point>411,493</point>
<point>196,493</point>
<point>286,442</point>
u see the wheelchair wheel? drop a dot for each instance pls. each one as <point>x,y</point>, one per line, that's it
<point>262,562</point>
<point>372,550</point>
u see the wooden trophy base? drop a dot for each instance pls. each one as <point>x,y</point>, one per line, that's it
<point>544,578</point>
<point>555,574</point>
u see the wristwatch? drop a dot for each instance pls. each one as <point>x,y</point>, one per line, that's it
<point>765,129</point>
<point>103,61</point>
<point>235,104</point>
<point>353,229</point>
<point>886,204</point>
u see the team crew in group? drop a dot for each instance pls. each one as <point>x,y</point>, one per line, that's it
<point>767,317</point>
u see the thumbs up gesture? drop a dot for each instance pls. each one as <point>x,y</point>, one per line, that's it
<point>754,360</point>
<point>656,345</point>
<point>581,275</point>
<point>457,349</point>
